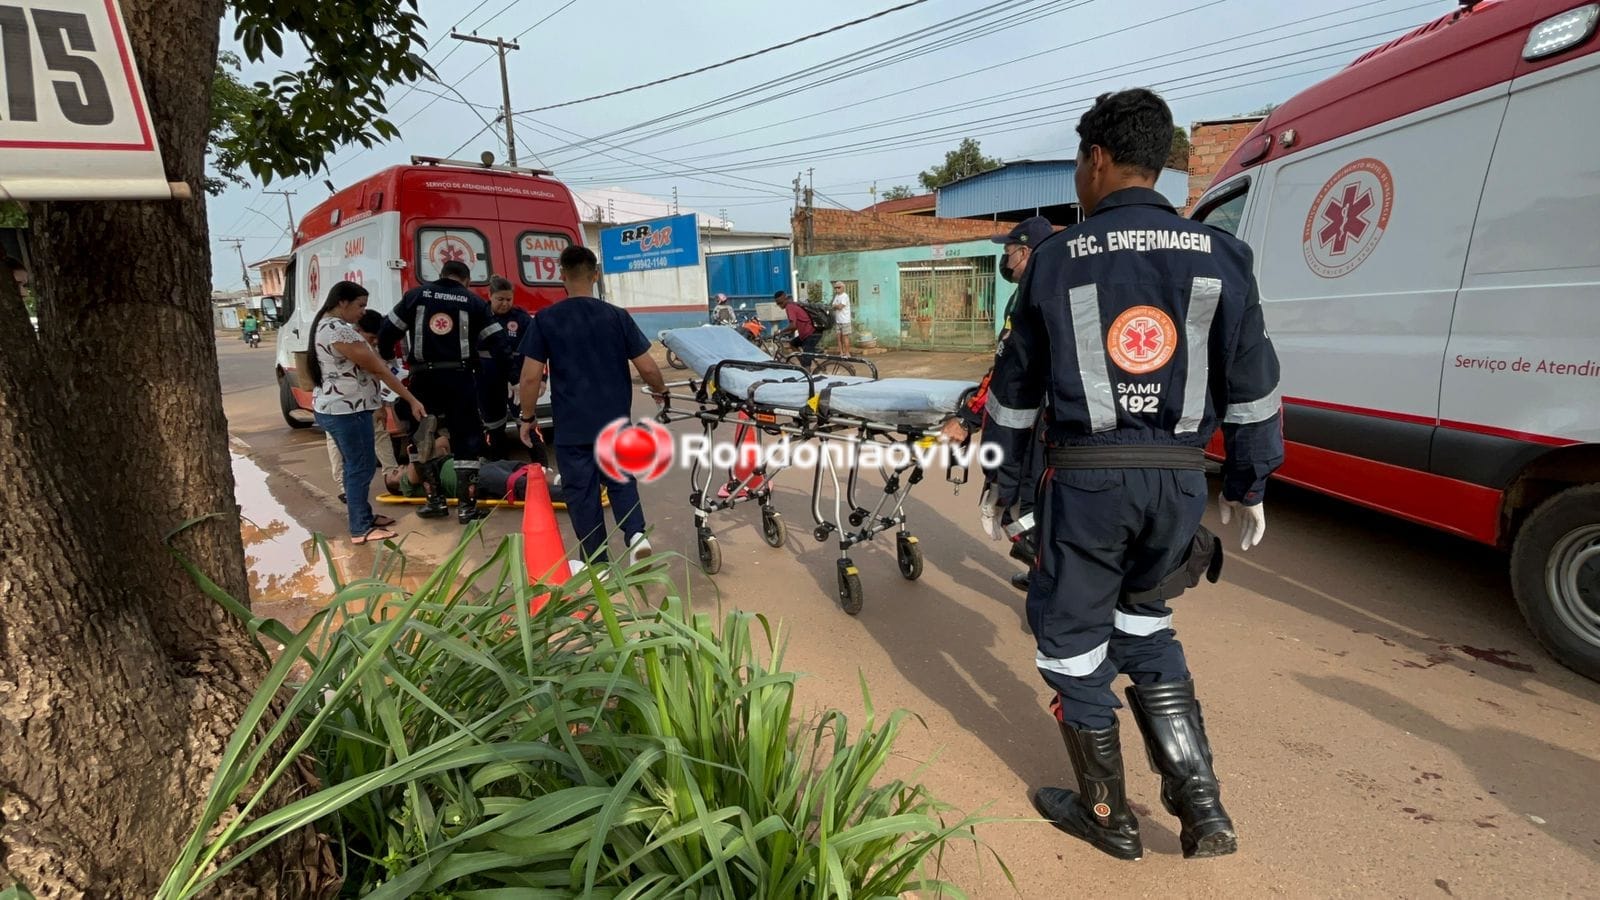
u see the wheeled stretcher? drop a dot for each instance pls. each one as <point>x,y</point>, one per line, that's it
<point>765,400</point>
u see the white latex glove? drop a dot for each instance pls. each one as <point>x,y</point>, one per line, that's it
<point>989,515</point>
<point>1252,521</point>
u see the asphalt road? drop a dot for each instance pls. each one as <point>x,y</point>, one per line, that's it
<point>1383,723</point>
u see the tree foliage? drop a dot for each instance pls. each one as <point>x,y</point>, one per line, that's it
<point>231,104</point>
<point>1178,156</point>
<point>12,215</point>
<point>967,159</point>
<point>899,192</point>
<point>354,51</point>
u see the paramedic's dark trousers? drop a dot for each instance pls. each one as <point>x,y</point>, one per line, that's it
<point>1105,533</point>
<point>492,390</point>
<point>452,396</point>
<point>580,484</point>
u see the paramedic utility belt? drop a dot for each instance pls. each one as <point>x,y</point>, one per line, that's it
<point>1117,535</point>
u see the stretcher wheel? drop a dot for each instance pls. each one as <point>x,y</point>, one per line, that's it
<point>773,530</point>
<point>710,555</point>
<point>849,588</point>
<point>676,361</point>
<point>909,555</point>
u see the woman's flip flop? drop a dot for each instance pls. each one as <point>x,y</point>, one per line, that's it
<point>375,534</point>
<point>382,522</point>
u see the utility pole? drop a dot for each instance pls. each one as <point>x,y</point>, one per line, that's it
<point>238,246</point>
<point>674,200</point>
<point>874,192</point>
<point>501,45</point>
<point>286,195</point>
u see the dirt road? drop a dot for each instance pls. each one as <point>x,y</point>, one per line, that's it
<point>1383,723</point>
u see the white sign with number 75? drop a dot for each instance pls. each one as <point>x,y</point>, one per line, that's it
<point>74,122</point>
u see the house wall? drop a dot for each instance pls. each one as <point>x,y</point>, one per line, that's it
<point>877,273</point>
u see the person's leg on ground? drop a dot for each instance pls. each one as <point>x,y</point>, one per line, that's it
<point>1146,648</point>
<point>466,442</point>
<point>335,463</point>
<point>628,511</point>
<point>1072,598</point>
<point>580,484</point>
<point>434,393</point>
<point>353,432</point>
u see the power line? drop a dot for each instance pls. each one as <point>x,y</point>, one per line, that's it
<point>728,62</point>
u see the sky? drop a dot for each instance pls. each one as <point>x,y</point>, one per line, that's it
<point>869,104</point>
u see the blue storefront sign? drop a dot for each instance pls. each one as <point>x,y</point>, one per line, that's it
<point>667,243</point>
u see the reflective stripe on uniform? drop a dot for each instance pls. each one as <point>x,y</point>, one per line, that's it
<point>1080,666</point>
<point>1087,330</point>
<point>468,465</point>
<point>419,339</point>
<point>1141,626</point>
<point>395,321</point>
<point>1008,417</point>
<point>1204,295</point>
<point>1254,411</point>
<point>489,331</point>
<point>466,345</point>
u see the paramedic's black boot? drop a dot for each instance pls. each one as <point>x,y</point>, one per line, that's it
<point>1098,812</point>
<point>1020,581</point>
<point>436,507</point>
<point>467,510</point>
<point>1175,737</point>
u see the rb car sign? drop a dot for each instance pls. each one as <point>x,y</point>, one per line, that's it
<point>668,243</point>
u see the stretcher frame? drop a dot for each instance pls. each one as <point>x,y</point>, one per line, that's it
<point>713,406</point>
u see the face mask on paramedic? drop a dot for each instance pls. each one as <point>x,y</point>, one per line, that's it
<point>1020,254</point>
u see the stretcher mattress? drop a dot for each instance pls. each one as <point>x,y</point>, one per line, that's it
<point>917,402</point>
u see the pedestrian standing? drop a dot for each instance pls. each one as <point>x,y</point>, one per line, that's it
<point>1137,333</point>
<point>841,316</point>
<point>369,327</point>
<point>347,373</point>
<point>591,344</point>
<point>450,328</point>
<point>499,373</point>
<point>1007,493</point>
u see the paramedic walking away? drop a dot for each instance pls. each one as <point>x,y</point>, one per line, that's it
<point>347,374</point>
<point>1008,491</point>
<point>450,328</point>
<point>590,344</point>
<point>1136,334</point>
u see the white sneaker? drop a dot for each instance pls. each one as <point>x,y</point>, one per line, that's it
<point>638,549</point>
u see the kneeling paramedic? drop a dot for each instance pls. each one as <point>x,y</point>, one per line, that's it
<point>451,327</point>
<point>1135,333</point>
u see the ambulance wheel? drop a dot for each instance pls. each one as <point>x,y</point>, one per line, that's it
<point>710,555</point>
<point>909,556</point>
<point>1555,573</point>
<point>850,596</point>
<point>290,406</point>
<point>773,531</point>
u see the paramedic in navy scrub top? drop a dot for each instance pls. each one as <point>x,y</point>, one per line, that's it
<point>591,344</point>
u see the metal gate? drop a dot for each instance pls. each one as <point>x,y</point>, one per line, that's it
<point>947,304</point>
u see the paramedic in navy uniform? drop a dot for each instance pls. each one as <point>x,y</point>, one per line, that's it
<point>500,374</point>
<point>590,344</point>
<point>1136,334</point>
<point>450,329</point>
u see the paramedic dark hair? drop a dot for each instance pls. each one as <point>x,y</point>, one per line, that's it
<point>456,269</point>
<point>1134,126</point>
<point>499,283</point>
<point>338,295</point>
<point>579,260</point>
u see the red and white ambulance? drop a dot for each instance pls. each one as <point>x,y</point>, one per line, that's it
<point>393,231</point>
<point>1426,225</point>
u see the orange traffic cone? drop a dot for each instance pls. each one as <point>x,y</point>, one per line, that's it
<point>543,550</point>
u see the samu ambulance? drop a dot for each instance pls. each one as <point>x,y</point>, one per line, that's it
<point>1426,228</point>
<point>393,231</point>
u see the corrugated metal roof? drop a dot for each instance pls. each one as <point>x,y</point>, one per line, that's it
<point>1019,185</point>
<point>1032,184</point>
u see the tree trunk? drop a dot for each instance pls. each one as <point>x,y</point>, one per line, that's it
<point>120,682</point>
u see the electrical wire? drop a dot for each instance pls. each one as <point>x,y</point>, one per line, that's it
<point>728,62</point>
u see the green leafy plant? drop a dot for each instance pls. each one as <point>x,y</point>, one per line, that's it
<point>614,744</point>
